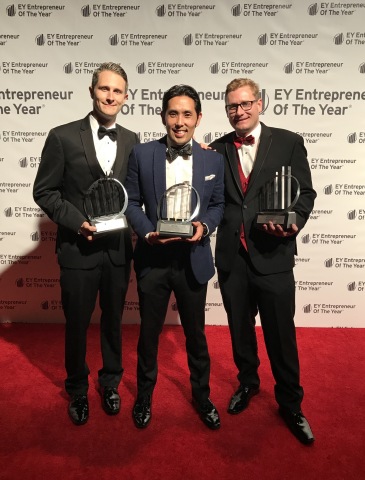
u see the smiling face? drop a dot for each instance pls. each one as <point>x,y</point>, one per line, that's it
<point>180,119</point>
<point>244,121</point>
<point>109,95</point>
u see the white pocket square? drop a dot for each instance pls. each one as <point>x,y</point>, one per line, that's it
<point>209,177</point>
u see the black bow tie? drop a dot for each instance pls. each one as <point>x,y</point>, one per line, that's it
<point>174,152</point>
<point>111,132</point>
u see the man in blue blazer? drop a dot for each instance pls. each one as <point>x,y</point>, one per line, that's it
<point>164,265</point>
<point>255,265</point>
<point>74,156</point>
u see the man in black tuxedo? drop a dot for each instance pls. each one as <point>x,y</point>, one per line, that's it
<point>164,265</point>
<point>74,156</point>
<point>255,266</point>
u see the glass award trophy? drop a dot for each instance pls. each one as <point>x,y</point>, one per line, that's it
<point>276,200</point>
<point>105,203</point>
<point>178,206</point>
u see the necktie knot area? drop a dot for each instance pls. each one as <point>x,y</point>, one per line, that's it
<point>248,140</point>
<point>110,132</point>
<point>174,152</point>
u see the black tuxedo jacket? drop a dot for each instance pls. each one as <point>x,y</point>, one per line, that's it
<point>268,254</point>
<point>67,169</point>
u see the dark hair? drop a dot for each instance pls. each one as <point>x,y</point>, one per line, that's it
<point>112,67</point>
<point>180,91</point>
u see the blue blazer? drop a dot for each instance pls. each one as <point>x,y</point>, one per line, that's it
<point>146,184</point>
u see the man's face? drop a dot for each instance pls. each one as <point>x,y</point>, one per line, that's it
<point>109,95</point>
<point>180,119</point>
<point>243,121</point>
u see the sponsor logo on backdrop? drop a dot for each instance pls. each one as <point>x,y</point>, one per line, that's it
<point>8,259</point>
<point>210,39</point>
<point>356,286</point>
<point>345,262</point>
<point>141,100</point>
<point>330,164</point>
<point>358,214</point>
<point>259,9</point>
<point>181,10</point>
<point>130,306</point>
<point>211,136</point>
<point>5,38</point>
<point>13,187</point>
<point>326,239</point>
<point>163,68</point>
<point>284,39</point>
<point>302,260</point>
<point>62,39</point>
<point>314,137</point>
<point>356,137</point>
<point>51,305</point>
<point>236,68</point>
<point>108,10</point>
<point>311,286</point>
<point>137,39</point>
<point>150,136</point>
<point>32,162</point>
<point>21,68</point>
<point>28,212</point>
<point>304,102</point>
<point>327,308</point>
<point>37,282</point>
<point>311,68</point>
<point>32,10</point>
<point>344,189</point>
<point>319,214</point>
<point>11,304</point>
<point>349,38</point>
<point>334,9</point>
<point>25,108</point>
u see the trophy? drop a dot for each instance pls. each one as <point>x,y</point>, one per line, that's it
<point>105,203</point>
<point>178,206</point>
<point>276,201</point>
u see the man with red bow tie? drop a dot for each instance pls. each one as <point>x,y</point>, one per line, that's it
<point>255,266</point>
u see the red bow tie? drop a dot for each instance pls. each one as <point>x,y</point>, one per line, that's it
<point>239,141</point>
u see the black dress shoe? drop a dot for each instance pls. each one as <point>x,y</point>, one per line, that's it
<point>141,412</point>
<point>241,399</point>
<point>208,414</point>
<point>298,425</point>
<point>110,400</point>
<point>78,409</point>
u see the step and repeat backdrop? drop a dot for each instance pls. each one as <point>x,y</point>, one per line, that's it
<point>309,60</point>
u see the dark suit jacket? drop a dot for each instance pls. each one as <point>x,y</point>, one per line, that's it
<point>68,167</point>
<point>277,148</point>
<point>146,183</point>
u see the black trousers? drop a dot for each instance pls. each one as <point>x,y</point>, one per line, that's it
<point>154,290</point>
<point>245,292</point>
<point>79,289</point>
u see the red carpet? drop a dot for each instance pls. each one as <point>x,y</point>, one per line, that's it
<point>38,441</point>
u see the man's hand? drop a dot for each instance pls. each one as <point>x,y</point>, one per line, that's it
<point>154,238</point>
<point>198,235</point>
<point>277,230</point>
<point>87,230</point>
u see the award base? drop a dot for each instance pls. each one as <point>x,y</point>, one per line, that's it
<point>277,217</point>
<point>105,225</point>
<point>175,228</point>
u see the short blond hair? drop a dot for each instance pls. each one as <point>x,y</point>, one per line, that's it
<point>243,82</point>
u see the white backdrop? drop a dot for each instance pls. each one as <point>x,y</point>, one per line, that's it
<point>309,59</point>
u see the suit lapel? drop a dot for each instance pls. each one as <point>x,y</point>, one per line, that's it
<point>119,163</point>
<point>88,144</point>
<point>231,154</point>
<point>264,146</point>
<point>198,180</point>
<point>159,168</point>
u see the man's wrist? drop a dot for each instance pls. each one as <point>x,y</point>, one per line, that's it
<point>205,229</point>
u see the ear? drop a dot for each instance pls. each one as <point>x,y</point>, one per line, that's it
<point>91,92</point>
<point>198,119</point>
<point>163,118</point>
